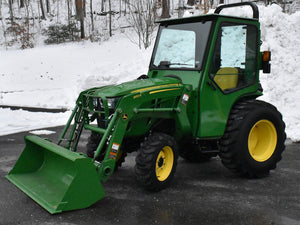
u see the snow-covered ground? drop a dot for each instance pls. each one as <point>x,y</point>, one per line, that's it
<point>53,76</point>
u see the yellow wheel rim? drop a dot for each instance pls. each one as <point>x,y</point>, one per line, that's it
<point>262,140</point>
<point>164,163</point>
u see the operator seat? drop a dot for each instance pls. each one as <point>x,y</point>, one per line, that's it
<point>227,78</point>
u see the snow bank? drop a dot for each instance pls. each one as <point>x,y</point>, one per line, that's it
<point>13,121</point>
<point>280,34</point>
<point>53,76</point>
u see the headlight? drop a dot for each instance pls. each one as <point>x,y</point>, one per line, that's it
<point>95,102</point>
<point>112,102</point>
<point>98,104</point>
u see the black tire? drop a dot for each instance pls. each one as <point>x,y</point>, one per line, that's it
<point>156,161</point>
<point>192,153</point>
<point>91,147</point>
<point>92,144</point>
<point>254,139</point>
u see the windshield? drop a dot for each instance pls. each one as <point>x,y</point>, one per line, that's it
<point>181,46</point>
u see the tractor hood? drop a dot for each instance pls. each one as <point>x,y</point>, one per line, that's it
<point>135,86</point>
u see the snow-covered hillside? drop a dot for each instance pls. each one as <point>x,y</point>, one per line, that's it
<point>53,76</point>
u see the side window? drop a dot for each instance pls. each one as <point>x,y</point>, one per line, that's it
<point>234,60</point>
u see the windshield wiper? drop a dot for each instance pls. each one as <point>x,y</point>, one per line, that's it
<point>167,64</point>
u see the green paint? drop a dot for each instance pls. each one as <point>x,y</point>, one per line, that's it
<point>184,94</point>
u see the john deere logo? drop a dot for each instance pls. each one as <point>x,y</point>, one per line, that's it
<point>124,116</point>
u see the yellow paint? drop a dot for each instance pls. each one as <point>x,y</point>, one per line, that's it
<point>154,87</point>
<point>164,163</point>
<point>125,116</point>
<point>227,78</point>
<point>262,140</point>
<point>154,92</point>
<point>137,96</point>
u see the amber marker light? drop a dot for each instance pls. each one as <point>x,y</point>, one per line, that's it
<point>266,56</point>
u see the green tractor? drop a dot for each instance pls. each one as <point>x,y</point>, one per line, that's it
<point>197,101</point>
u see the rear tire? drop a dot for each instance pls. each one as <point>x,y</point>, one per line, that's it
<point>254,139</point>
<point>156,161</point>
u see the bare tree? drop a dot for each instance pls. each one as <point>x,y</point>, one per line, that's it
<point>84,7</point>
<point>142,19</point>
<point>69,11</point>
<point>48,6</point>
<point>127,2</point>
<point>21,3</point>
<point>165,9</point>
<point>11,11</point>
<point>3,24</point>
<point>180,8</point>
<point>191,2</point>
<point>92,15</point>
<point>102,5</point>
<point>42,9</point>
<point>110,30</point>
<point>80,16</point>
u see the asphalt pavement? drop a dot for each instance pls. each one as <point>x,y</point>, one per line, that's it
<point>201,193</point>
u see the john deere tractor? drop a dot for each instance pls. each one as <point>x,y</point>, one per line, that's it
<point>197,101</point>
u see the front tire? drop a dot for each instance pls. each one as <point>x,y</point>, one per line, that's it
<point>156,161</point>
<point>254,139</point>
<point>92,144</point>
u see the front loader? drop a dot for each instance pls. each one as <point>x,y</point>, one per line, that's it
<point>197,101</point>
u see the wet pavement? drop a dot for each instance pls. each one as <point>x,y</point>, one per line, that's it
<point>205,193</point>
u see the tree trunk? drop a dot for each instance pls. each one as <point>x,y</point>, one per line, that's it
<point>10,2</point>
<point>84,8</point>
<point>180,8</point>
<point>109,5</point>
<point>57,11</point>
<point>82,34</point>
<point>102,5</point>
<point>69,11</point>
<point>48,6</point>
<point>92,15</point>
<point>21,3</point>
<point>80,16</point>
<point>165,9</point>
<point>191,2</point>
<point>42,9</point>
<point>126,5</point>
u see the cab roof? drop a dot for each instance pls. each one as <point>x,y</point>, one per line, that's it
<point>216,15</point>
<point>201,18</point>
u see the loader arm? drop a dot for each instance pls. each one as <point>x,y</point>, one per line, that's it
<point>57,177</point>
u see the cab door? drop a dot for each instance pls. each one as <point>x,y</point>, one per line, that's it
<point>231,72</point>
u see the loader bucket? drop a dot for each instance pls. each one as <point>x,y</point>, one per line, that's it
<point>56,178</point>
